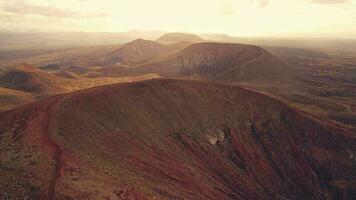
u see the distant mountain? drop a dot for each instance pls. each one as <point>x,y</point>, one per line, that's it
<point>33,41</point>
<point>31,79</point>
<point>171,38</point>
<point>172,139</point>
<point>221,38</point>
<point>221,61</point>
<point>136,51</point>
<point>139,50</point>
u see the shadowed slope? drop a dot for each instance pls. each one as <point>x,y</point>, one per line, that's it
<point>25,83</point>
<point>222,62</point>
<point>28,78</point>
<point>173,139</point>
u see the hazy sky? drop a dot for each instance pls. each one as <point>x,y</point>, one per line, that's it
<point>331,18</point>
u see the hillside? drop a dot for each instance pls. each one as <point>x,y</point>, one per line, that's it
<point>26,83</point>
<point>28,78</point>
<point>166,139</point>
<point>140,50</point>
<point>222,62</point>
<point>11,98</point>
<point>171,38</point>
<point>136,51</point>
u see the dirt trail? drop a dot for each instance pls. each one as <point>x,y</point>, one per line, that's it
<point>58,158</point>
<point>43,117</point>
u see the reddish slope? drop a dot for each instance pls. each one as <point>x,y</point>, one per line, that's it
<point>224,62</point>
<point>170,139</point>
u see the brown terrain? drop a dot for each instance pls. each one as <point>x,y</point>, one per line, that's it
<point>225,118</point>
<point>318,80</point>
<point>30,79</point>
<point>332,91</point>
<point>10,99</point>
<point>214,141</point>
<point>26,83</point>
<point>217,61</point>
<point>213,61</point>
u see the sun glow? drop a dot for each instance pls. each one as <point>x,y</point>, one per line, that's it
<point>236,17</point>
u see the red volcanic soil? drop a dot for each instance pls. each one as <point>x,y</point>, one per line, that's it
<point>172,139</point>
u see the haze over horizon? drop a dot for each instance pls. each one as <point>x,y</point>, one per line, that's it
<point>276,18</point>
<point>178,99</point>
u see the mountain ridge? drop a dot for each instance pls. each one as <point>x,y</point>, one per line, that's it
<point>170,38</point>
<point>123,141</point>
